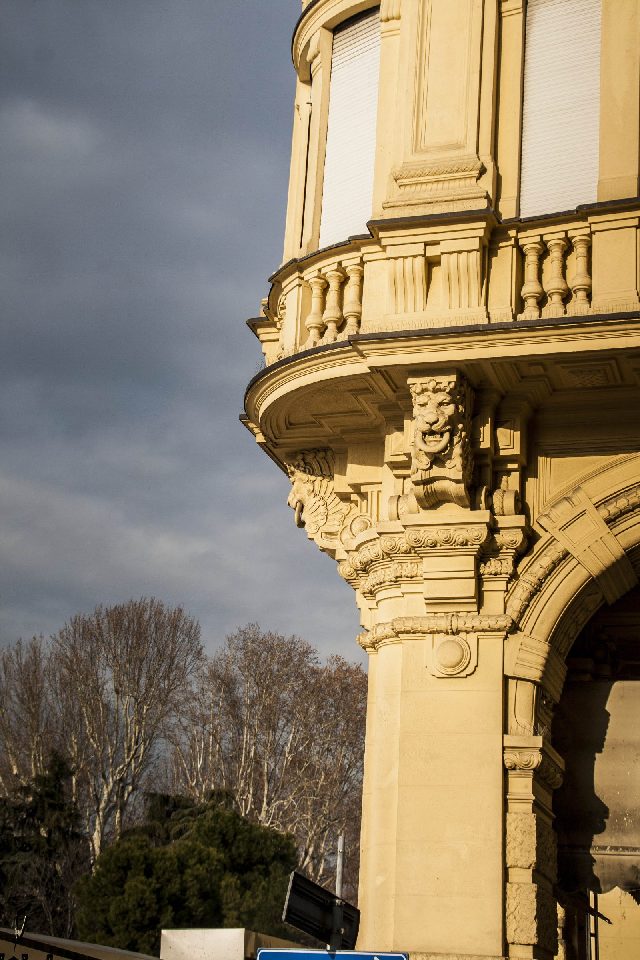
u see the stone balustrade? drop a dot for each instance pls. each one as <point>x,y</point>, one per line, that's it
<point>434,275</point>
<point>557,277</point>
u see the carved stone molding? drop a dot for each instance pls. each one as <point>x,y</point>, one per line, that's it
<point>414,542</point>
<point>441,460</point>
<point>580,611</point>
<point>501,550</point>
<point>427,538</point>
<point>528,658</point>
<point>390,10</point>
<point>531,580</point>
<point>436,624</point>
<point>383,577</point>
<point>615,507</point>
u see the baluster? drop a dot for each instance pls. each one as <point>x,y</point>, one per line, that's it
<point>332,316</point>
<point>314,322</point>
<point>353,299</point>
<point>532,288</point>
<point>557,288</point>
<point>581,281</point>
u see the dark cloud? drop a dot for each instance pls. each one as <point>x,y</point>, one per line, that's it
<point>144,149</point>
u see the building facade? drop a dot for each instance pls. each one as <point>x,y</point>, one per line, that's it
<point>452,383</point>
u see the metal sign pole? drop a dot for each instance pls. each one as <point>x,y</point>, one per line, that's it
<point>339,865</point>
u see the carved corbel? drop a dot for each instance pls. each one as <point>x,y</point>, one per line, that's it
<point>441,459</point>
<point>317,506</point>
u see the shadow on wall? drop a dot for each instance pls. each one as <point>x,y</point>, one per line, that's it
<point>597,731</point>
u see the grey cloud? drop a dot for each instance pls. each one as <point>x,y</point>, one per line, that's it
<point>144,151</point>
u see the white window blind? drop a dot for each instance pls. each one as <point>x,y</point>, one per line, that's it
<point>351,133</point>
<point>561,111</point>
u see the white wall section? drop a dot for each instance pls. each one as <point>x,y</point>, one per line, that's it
<point>351,133</point>
<point>561,112</point>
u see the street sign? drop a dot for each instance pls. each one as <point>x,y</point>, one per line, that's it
<point>320,913</point>
<point>286,954</point>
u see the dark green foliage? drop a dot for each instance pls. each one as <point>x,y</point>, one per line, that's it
<point>42,852</point>
<point>188,865</point>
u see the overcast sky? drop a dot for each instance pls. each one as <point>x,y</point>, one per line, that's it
<point>144,149</point>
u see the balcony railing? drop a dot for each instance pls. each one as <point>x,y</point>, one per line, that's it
<point>422,276</point>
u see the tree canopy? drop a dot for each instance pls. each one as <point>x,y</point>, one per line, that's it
<point>43,851</point>
<point>129,702</point>
<point>188,865</point>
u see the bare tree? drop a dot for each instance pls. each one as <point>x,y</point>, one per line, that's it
<point>27,730</point>
<point>119,675</point>
<point>284,735</point>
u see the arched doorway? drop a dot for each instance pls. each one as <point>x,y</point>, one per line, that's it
<point>596,729</point>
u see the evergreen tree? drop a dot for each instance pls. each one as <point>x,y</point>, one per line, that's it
<point>42,852</point>
<point>188,865</point>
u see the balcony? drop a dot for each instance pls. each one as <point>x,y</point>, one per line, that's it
<point>429,273</point>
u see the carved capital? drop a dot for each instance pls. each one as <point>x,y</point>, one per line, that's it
<point>441,460</point>
<point>531,756</point>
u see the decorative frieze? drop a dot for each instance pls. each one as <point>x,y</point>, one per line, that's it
<point>438,624</point>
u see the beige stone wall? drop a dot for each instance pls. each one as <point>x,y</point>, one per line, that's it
<point>455,398</point>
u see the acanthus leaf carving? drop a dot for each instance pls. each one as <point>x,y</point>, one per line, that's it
<point>438,624</point>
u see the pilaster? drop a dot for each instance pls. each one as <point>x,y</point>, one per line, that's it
<point>533,771</point>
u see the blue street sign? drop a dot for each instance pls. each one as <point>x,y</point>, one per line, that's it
<point>286,954</point>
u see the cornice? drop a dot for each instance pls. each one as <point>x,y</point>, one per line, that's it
<point>441,346</point>
<point>324,13</point>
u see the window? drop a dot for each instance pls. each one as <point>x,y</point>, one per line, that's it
<point>351,132</point>
<point>561,112</point>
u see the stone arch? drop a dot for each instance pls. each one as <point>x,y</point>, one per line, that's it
<point>586,543</point>
<point>587,554</point>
